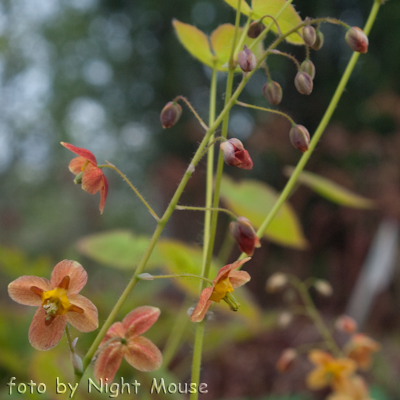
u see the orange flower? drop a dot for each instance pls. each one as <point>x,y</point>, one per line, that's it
<point>350,388</point>
<point>88,173</point>
<point>223,285</point>
<point>122,340</point>
<point>245,235</point>
<point>328,369</point>
<point>360,349</point>
<point>58,301</point>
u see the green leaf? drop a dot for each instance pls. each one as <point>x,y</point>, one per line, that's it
<point>287,20</point>
<point>244,7</point>
<point>221,42</point>
<point>119,249</point>
<point>194,41</point>
<point>254,200</point>
<point>331,190</point>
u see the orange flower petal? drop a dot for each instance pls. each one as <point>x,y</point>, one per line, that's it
<point>76,164</point>
<point>78,276</point>
<point>87,321</point>
<point>229,268</point>
<point>202,306</point>
<point>92,179</point>
<point>238,278</point>
<point>319,357</point>
<point>108,361</point>
<point>115,330</point>
<point>140,320</point>
<point>88,155</point>
<point>143,354</point>
<point>103,194</point>
<point>20,290</point>
<point>317,379</point>
<point>45,337</point>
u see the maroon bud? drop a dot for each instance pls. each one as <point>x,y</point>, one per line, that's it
<point>319,41</point>
<point>170,114</point>
<point>303,83</point>
<point>245,235</point>
<point>255,29</point>
<point>234,154</point>
<point>309,35</point>
<point>272,91</point>
<point>246,59</point>
<point>299,137</point>
<point>357,39</point>
<point>309,67</point>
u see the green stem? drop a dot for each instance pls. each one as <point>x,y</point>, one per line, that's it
<point>208,208</point>
<point>192,110</point>
<point>181,276</point>
<point>152,212</point>
<point>239,103</point>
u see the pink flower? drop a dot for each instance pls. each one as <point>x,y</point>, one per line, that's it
<point>122,340</point>
<point>234,154</point>
<point>88,173</point>
<point>244,235</point>
<point>223,285</point>
<point>58,301</point>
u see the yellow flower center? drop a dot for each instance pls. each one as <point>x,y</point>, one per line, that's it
<point>221,289</point>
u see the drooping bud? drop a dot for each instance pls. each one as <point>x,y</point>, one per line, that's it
<point>234,154</point>
<point>286,360</point>
<point>319,41</point>
<point>309,35</point>
<point>170,114</point>
<point>246,59</point>
<point>308,67</point>
<point>255,29</point>
<point>272,91</point>
<point>323,287</point>
<point>245,235</point>
<point>357,39</point>
<point>300,137</point>
<point>303,83</point>
<point>276,282</point>
<point>346,324</point>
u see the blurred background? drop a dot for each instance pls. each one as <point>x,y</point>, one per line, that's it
<point>96,73</point>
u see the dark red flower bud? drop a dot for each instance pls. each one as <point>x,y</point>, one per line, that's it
<point>319,41</point>
<point>303,83</point>
<point>300,137</point>
<point>308,67</point>
<point>272,91</point>
<point>170,114</point>
<point>245,235</point>
<point>309,35</point>
<point>357,39</point>
<point>234,154</point>
<point>255,29</point>
<point>246,59</point>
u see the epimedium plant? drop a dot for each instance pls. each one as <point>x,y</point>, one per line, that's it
<point>230,49</point>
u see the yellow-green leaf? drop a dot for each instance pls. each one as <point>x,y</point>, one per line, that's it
<point>244,7</point>
<point>194,41</point>
<point>254,200</point>
<point>287,19</point>
<point>331,190</point>
<point>221,42</point>
<point>119,249</point>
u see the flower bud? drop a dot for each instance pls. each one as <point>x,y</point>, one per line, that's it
<point>255,29</point>
<point>300,138</point>
<point>308,67</point>
<point>246,59</point>
<point>323,287</point>
<point>285,319</point>
<point>276,282</point>
<point>245,235</point>
<point>145,277</point>
<point>170,114</point>
<point>309,35</point>
<point>357,39</point>
<point>286,360</point>
<point>234,154</point>
<point>272,91</point>
<point>303,82</point>
<point>346,324</point>
<point>319,41</point>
